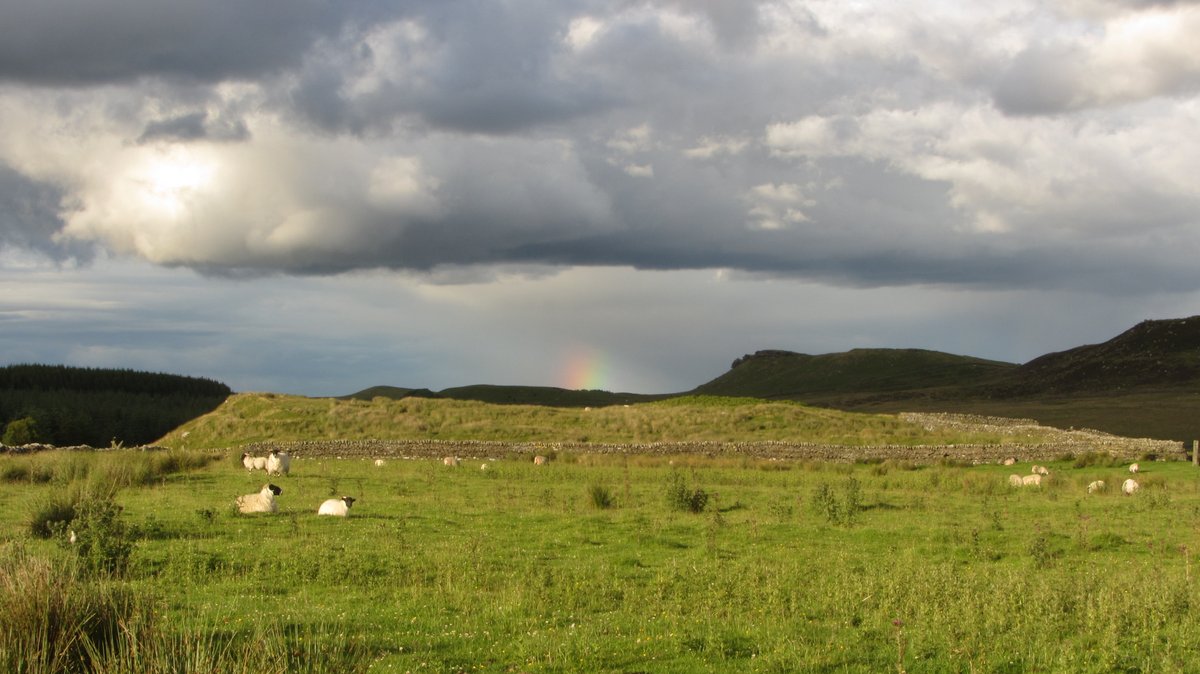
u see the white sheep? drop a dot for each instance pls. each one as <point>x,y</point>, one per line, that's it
<point>1133,468</point>
<point>1010,461</point>
<point>248,461</point>
<point>379,463</point>
<point>1035,480</point>
<point>262,502</point>
<point>278,463</point>
<point>539,460</point>
<point>1015,480</point>
<point>338,507</point>
<point>1041,470</point>
<point>483,467</point>
<point>1097,486</point>
<point>450,461</point>
<point>1130,486</point>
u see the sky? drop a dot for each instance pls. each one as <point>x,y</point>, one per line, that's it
<point>317,196</point>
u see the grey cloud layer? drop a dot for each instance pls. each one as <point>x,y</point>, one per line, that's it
<point>810,140</point>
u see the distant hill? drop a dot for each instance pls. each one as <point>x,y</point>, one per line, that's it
<point>391,393</point>
<point>512,395</point>
<point>784,374</point>
<point>1144,382</point>
<point>62,405</point>
<point>1151,355</point>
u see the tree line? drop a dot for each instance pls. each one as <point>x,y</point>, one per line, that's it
<point>63,405</point>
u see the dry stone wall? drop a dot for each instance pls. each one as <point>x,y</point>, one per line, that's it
<point>1128,450</point>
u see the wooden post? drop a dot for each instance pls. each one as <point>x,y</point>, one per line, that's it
<point>1196,452</point>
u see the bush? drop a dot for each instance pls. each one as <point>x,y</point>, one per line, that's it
<point>102,541</point>
<point>845,511</point>
<point>20,432</point>
<point>681,497</point>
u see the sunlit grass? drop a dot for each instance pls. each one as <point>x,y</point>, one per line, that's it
<point>515,568</point>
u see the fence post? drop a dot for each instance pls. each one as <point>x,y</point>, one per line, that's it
<point>1196,452</point>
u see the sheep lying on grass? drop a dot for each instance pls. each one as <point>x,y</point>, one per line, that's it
<point>1097,486</point>
<point>1133,468</point>
<point>1041,470</point>
<point>338,507</point>
<point>450,461</point>
<point>539,460</point>
<point>1130,486</point>
<point>379,463</point>
<point>278,463</point>
<point>262,502</point>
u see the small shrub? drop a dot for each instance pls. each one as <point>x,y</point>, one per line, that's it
<point>844,511</point>
<point>103,541</point>
<point>602,497</point>
<point>681,497</point>
<point>20,432</point>
<point>825,504</point>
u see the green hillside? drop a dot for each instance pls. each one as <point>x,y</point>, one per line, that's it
<point>266,417</point>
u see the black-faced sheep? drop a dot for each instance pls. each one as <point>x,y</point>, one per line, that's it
<point>261,502</point>
<point>338,507</point>
<point>278,463</point>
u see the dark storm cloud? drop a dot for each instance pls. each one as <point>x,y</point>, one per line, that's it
<point>194,126</point>
<point>65,42</point>
<point>29,217</point>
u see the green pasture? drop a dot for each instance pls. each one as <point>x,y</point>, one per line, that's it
<point>789,567</point>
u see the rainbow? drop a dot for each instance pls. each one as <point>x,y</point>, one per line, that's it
<point>585,369</point>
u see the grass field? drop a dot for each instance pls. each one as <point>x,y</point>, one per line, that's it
<point>787,567</point>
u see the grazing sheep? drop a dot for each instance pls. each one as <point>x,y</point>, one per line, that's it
<point>1035,480</point>
<point>1041,470</point>
<point>1133,468</point>
<point>1130,486</point>
<point>262,502</point>
<point>248,461</point>
<point>483,467</point>
<point>1015,480</point>
<point>338,507</point>
<point>258,463</point>
<point>450,461</point>
<point>539,460</point>
<point>1097,486</point>
<point>1010,461</point>
<point>379,463</point>
<point>278,463</point>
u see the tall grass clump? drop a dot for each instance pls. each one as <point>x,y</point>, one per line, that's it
<point>52,620</point>
<point>601,496</point>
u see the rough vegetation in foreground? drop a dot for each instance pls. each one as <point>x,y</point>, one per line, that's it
<point>612,562</point>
